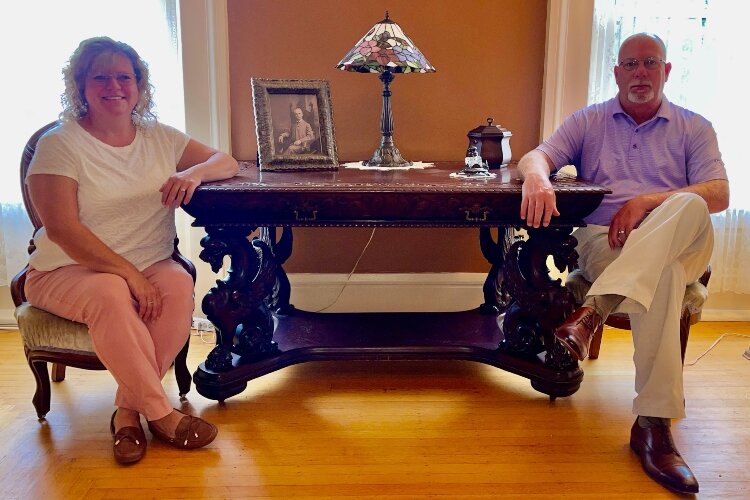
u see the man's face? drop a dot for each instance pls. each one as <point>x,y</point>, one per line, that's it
<point>298,114</point>
<point>641,85</point>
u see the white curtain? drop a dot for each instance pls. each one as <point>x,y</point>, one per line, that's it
<point>15,233</point>
<point>705,43</point>
<point>38,36</point>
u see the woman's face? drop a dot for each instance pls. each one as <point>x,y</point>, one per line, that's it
<point>111,89</point>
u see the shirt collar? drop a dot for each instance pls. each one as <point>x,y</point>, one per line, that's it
<point>664,111</point>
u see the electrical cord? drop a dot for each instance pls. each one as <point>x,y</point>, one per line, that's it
<point>202,331</point>
<point>716,342</point>
<point>372,234</point>
<point>206,333</point>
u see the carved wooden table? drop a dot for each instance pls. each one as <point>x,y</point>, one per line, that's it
<point>259,331</point>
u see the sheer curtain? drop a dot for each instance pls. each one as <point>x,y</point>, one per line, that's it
<point>38,36</point>
<point>705,43</point>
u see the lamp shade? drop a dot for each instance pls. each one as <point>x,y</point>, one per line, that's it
<point>385,48</point>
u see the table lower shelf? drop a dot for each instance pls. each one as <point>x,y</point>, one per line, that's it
<point>466,335</point>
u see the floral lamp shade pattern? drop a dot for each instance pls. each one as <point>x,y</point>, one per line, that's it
<point>385,47</point>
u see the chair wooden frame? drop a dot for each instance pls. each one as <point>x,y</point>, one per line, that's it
<point>38,357</point>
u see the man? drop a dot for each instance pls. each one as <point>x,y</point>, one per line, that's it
<point>300,135</point>
<point>646,240</point>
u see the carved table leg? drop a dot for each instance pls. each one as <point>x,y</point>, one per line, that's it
<point>237,304</point>
<point>540,303</point>
<point>496,297</point>
<point>278,301</point>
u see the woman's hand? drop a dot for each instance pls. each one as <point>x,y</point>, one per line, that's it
<point>147,295</point>
<point>179,188</point>
<point>198,164</point>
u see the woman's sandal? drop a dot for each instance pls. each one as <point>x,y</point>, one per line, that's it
<point>192,432</point>
<point>129,444</point>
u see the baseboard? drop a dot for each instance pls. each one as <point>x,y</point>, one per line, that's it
<point>709,314</point>
<point>7,319</point>
<point>427,292</point>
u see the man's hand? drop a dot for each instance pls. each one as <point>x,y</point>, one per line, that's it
<point>538,203</point>
<point>629,217</point>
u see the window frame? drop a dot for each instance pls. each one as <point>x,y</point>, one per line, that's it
<point>205,63</point>
<point>567,61</point>
<point>204,46</point>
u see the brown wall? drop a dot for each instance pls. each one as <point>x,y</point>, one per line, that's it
<point>489,56</point>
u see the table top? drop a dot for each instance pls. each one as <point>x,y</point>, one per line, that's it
<point>427,197</point>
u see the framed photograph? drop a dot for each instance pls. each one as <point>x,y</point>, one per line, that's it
<point>294,124</point>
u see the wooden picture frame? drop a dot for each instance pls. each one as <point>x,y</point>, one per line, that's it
<point>294,124</point>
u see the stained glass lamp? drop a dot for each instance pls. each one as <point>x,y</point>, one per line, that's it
<point>385,49</point>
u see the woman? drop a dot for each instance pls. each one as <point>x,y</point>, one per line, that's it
<point>105,184</point>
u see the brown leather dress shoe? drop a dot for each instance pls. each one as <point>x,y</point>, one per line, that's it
<point>192,432</point>
<point>578,330</point>
<point>129,445</point>
<point>660,458</point>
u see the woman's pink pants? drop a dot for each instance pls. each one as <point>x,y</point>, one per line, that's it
<point>137,353</point>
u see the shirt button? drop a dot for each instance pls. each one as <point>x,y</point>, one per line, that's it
<point>635,146</point>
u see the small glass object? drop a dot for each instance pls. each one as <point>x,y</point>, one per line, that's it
<point>474,166</point>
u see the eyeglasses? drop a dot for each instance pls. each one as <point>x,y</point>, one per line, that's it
<point>650,63</point>
<point>121,78</point>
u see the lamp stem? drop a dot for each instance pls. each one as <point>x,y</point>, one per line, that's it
<point>386,115</point>
<point>387,155</point>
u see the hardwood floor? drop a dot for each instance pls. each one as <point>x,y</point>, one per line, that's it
<point>391,429</point>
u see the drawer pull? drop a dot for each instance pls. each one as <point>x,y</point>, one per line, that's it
<point>305,215</point>
<point>476,215</point>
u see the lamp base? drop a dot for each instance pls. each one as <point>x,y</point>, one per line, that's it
<point>388,157</point>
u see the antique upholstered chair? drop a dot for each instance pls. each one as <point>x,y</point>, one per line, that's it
<point>692,304</point>
<point>51,339</point>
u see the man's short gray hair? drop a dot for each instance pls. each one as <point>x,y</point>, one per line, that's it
<point>644,34</point>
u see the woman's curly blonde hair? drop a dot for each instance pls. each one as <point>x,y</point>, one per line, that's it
<point>78,67</point>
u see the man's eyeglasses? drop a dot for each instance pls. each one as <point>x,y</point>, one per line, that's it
<point>121,78</point>
<point>649,63</point>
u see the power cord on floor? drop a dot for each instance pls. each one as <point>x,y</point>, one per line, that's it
<point>203,328</point>
<point>372,234</point>
<point>716,342</point>
<point>204,334</point>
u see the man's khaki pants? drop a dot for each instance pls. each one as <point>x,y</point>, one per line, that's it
<point>670,249</point>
